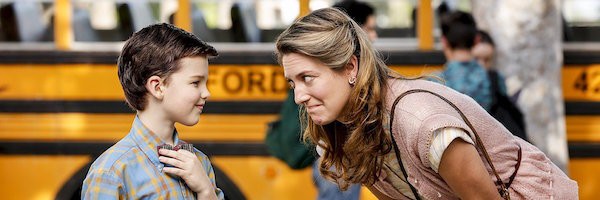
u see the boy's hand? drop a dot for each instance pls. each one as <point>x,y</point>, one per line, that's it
<point>187,166</point>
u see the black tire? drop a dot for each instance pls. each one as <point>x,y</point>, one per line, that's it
<point>232,192</point>
<point>71,190</point>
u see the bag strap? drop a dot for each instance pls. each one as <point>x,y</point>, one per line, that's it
<point>397,151</point>
<point>478,144</point>
<point>495,90</point>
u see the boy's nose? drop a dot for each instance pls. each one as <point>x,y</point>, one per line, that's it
<point>205,94</point>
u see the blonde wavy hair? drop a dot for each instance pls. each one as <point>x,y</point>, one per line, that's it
<point>357,144</point>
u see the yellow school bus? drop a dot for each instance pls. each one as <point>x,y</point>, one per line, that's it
<point>61,105</point>
<point>60,109</point>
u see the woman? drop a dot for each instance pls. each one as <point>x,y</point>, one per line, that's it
<point>485,50</point>
<point>346,94</point>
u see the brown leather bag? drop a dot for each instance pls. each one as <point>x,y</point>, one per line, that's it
<point>503,187</point>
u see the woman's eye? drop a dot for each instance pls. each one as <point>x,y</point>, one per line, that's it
<point>308,78</point>
<point>196,83</point>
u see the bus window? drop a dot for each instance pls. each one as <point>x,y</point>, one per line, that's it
<point>581,20</point>
<point>95,21</point>
<point>26,21</point>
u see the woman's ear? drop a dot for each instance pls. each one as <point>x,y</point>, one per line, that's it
<point>477,39</point>
<point>352,66</point>
<point>154,86</point>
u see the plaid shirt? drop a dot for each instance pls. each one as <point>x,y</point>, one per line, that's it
<point>130,169</point>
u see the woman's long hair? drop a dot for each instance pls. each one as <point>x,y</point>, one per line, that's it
<point>357,144</point>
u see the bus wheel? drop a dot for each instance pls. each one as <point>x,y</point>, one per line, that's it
<point>232,192</point>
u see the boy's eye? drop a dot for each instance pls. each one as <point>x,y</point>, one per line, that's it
<point>195,83</point>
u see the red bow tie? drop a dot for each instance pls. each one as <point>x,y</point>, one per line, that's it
<point>184,146</point>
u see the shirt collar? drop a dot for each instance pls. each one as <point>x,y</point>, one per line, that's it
<point>470,63</point>
<point>148,141</point>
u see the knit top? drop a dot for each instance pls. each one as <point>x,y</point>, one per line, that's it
<point>418,115</point>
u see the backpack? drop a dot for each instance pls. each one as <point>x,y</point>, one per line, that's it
<point>284,137</point>
<point>504,110</point>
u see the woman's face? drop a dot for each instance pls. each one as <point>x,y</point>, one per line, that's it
<point>484,53</point>
<point>323,91</point>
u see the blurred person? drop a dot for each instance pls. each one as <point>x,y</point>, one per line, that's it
<point>163,71</point>
<point>288,124</point>
<point>503,107</point>
<point>462,71</point>
<point>484,50</point>
<point>402,137</point>
<point>362,13</point>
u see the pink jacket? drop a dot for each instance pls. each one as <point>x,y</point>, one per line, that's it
<point>418,115</point>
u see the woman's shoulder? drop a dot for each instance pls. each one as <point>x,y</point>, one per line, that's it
<point>402,85</point>
<point>424,103</point>
<point>398,87</point>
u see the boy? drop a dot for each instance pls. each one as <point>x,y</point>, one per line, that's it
<point>462,71</point>
<point>163,71</point>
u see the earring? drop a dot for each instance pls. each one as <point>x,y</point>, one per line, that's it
<point>160,90</point>
<point>352,81</point>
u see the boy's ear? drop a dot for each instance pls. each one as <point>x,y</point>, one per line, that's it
<point>444,42</point>
<point>154,86</point>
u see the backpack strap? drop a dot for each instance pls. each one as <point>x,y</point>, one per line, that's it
<point>494,88</point>
<point>478,145</point>
<point>493,76</point>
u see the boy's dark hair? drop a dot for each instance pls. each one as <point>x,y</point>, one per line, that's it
<point>358,11</point>
<point>155,51</point>
<point>484,37</point>
<point>459,29</point>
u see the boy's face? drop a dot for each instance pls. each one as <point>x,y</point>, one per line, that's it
<point>185,93</point>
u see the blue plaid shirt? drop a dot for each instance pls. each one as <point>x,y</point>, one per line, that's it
<point>130,169</point>
<point>471,79</point>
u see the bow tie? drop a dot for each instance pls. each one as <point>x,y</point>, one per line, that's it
<point>184,146</point>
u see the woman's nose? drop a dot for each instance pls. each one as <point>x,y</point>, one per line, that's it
<point>300,96</point>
